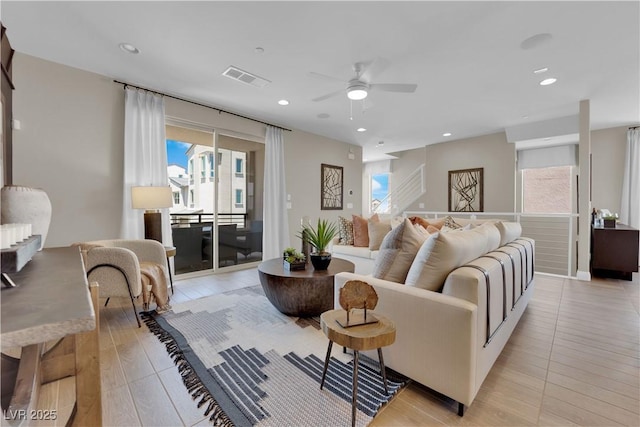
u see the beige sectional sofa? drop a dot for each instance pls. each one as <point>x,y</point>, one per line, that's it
<point>458,308</point>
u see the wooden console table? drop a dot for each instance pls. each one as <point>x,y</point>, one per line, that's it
<point>52,301</point>
<point>614,251</point>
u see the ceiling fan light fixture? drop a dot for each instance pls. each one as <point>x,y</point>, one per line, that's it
<point>357,90</point>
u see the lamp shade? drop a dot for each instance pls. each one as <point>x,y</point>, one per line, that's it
<point>151,197</point>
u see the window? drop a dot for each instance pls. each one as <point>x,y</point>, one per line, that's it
<point>191,196</point>
<point>191,170</point>
<point>239,197</point>
<point>211,166</point>
<point>203,168</point>
<point>379,191</point>
<point>176,197</point>
<point>239,166</point>
<point>546,190</point>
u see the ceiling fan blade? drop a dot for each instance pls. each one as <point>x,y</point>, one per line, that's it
<point>325,77</point>
<point>327,96</point>
<point>395,87</point>
<point>371,69</point>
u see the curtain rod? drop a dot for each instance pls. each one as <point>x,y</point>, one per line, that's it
<point>199,104</point>
<point>634,127</point>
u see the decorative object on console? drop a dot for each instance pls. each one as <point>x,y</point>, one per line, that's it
<point>26,205</point>
<point>466,188</point>
<point>151,199</point>
<point>320,237</point>
<point>331,187</point>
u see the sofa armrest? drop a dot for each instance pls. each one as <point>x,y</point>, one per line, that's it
<point>436,335</point>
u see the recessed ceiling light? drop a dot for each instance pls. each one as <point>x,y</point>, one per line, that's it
<point>540,70</point>
<point>258,50</point>
<point>283,102</point>
<point>323,116</point>
<point>446,134</point>
<point>361,130</point>
<point>129,48</point>
<point>547,82</point>
<point>380,143</point>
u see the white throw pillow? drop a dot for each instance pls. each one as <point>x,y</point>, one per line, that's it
<point>509,231</point>
<point>448,252</point>
<point>493,236</point>
<point>397,251</point>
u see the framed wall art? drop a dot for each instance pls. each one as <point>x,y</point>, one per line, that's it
<point>331,187</point>
<point>466,190</point>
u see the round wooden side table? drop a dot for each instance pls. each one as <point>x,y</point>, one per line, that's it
<point>357,338</point>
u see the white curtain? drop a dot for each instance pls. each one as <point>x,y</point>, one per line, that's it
<point>145,157</point>
<point>275,235</point>
<point>630,206</point>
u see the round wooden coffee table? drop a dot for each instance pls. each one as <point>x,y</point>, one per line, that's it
<point>302,293</point>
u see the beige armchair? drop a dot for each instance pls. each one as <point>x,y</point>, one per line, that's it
<point>115,265</point>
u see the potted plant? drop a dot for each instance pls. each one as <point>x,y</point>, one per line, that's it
<point>319,237</point>
<point>293,260</point>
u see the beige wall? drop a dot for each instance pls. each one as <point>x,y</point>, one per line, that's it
<point>304,155</point>
<point>491,152</point>
<point>71,145</point>
<point>608,148</point>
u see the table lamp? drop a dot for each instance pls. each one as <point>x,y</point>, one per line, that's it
<point>152,199</point>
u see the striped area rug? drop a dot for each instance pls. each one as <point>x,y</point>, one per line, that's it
<point>247,364</point>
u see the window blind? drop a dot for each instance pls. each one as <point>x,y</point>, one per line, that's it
<point>561,155</point>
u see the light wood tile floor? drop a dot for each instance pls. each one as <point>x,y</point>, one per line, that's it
<point>574,359</point>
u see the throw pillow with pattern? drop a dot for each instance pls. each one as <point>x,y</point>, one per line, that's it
<point>345,231</point>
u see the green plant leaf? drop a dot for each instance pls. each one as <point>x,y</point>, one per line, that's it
<point>319,237</point>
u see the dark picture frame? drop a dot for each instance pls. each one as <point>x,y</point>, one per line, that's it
<point>331,187</point>
<point>466,190</point>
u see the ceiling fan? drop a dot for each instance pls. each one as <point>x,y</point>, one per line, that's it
<point>358,88</point>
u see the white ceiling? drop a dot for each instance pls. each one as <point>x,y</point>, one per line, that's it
<point>473,76</point>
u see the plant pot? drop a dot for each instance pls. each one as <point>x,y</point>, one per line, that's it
<point>293,266</point>
<point>320,261</point>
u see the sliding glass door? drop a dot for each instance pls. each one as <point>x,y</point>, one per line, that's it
<point>216,217</point>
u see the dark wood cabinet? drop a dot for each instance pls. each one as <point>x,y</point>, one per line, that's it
<point>614,251</point>
<point>6,96</point>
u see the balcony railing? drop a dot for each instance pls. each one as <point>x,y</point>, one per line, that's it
<point>239,240</point>
<point>200,217</point>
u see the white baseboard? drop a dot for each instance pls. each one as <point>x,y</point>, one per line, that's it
<point>583,275</point>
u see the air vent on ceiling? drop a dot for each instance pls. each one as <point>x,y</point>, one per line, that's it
<point>236,73</point>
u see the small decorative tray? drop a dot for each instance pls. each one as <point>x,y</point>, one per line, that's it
<point>18,255</point>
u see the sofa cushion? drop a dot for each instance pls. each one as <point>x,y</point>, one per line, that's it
<point>397,251</point>
<point>509,231</point>
<point>451,223</point>
<point>426,223</point>
<point>493,236</point>
<point>345,231</point>
<point>448,251</point>
<point>377,231</point>
<point>361,230</point>
<point>351,250</point>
